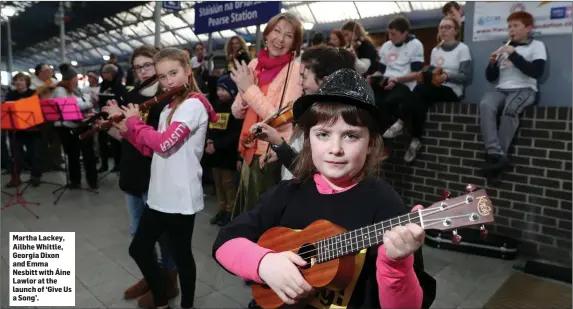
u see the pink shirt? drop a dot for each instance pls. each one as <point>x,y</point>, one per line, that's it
<point>398,285</point>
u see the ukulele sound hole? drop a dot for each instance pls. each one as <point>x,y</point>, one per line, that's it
<point>308,252</point>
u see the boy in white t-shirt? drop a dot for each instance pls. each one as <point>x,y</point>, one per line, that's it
<point>401,58</point>
<point>516,68</point>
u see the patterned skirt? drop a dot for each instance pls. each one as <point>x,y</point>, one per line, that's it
<point>253,183</point>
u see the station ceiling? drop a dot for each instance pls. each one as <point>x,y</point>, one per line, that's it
<point>97,29</point>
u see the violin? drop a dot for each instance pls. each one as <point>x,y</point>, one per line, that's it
<point>46,89</point>
<point>434,76</point>
<point>144,107</point>
<point>282,117</point>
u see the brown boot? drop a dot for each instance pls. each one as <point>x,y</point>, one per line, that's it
<point>136,290</point>
<point>146,301</point>
<point>173,287</point>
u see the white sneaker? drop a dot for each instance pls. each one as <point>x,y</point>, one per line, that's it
<point>394,131</point>
<point>410,155</point>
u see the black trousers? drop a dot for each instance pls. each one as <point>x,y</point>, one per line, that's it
<point>179,229</point>
<point>73,146</point>
<point>33,155</point>
<point>107,145</point>
<point>390,102</point>
<point>422,98</point>
<point>5,156</point>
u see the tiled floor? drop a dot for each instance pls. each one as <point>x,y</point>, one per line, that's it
<point>104,268</point>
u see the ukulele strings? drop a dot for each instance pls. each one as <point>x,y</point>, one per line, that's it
<point>423,212</point>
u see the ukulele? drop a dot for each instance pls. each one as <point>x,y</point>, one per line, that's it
<point>329,249</point>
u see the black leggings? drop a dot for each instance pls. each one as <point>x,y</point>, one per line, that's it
<point>422,98</point>
<point>390,102</point>
<point>179,229</point>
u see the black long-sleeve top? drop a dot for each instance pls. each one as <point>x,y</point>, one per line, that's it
<point>296,206</point>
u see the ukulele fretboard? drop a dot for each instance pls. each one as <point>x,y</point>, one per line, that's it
<point>362,238</point>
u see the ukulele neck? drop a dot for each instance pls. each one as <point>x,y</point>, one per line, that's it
<point>354,241</point>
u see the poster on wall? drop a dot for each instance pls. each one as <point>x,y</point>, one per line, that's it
<point>550,18</point>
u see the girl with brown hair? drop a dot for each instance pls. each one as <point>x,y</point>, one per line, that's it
<point>361,46</point>
<point>236,49</point>
<point>333,182</point>
<point>135,171</point>
<point>175,190</point>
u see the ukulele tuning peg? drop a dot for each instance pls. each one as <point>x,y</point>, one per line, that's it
<point>483,232</point>
<point>470,188</point>
<point>456,238</point>
<point>446,194</point>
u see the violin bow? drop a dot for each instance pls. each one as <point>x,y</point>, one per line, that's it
<point>280,108</point>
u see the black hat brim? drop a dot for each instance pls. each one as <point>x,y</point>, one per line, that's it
<point>301,105</point>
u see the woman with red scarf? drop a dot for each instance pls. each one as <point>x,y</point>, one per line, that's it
<point>267,83</point>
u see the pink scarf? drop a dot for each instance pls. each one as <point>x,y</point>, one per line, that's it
<point>213,117</point>
<point>268,68</point>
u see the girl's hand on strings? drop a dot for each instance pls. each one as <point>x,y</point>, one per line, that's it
<point>402,241</point>
<point>242,75</point>
<point>267,133</point>
<point>130,110</point>
<point>267,158</point>
<point>280,272</point>
<point>112,108</point>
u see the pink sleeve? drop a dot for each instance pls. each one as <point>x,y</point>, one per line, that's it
<point>238,109</point>
<point>242,257</point>
<point>129,135</point>
<point>159,142</point>
<point>398,285</point>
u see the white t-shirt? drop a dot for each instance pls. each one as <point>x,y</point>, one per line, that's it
<point>175,185</point>
<point>511,77</point>
<point>207,64</point>
<point>296,145</point>
<point>450,61</point>
<point>398,59</point>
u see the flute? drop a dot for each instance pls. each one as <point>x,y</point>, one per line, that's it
<point>142,107</point>
<point>499,55</point>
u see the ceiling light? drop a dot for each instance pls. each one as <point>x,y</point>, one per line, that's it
<point>8,11</point>
<point>74,63</point>
<point>32,70</point>
<point>106,57</point>
<point>307,26</point>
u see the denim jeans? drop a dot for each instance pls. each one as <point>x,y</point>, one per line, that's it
<point>135,207</point>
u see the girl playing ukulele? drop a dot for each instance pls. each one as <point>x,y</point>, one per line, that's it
<point>175,191</point>
<point>342,140</point>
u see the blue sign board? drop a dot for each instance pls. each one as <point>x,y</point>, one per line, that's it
<point>172,5</point>
<point>223,15</point>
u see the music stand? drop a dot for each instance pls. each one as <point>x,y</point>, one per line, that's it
<point>12,120</point>
<point>63,109</point>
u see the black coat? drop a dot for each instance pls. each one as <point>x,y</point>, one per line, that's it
<point>225,136</point>
<point>135,168</point>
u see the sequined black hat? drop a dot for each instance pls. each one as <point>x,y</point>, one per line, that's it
<point>344,86</point>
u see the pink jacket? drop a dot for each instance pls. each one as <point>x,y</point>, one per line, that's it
<point>266,105</point>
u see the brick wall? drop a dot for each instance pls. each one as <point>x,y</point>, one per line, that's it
<point>533,202</point>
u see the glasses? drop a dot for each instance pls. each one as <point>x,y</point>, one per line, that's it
<point>145,67</point>
<point>446,27</point>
